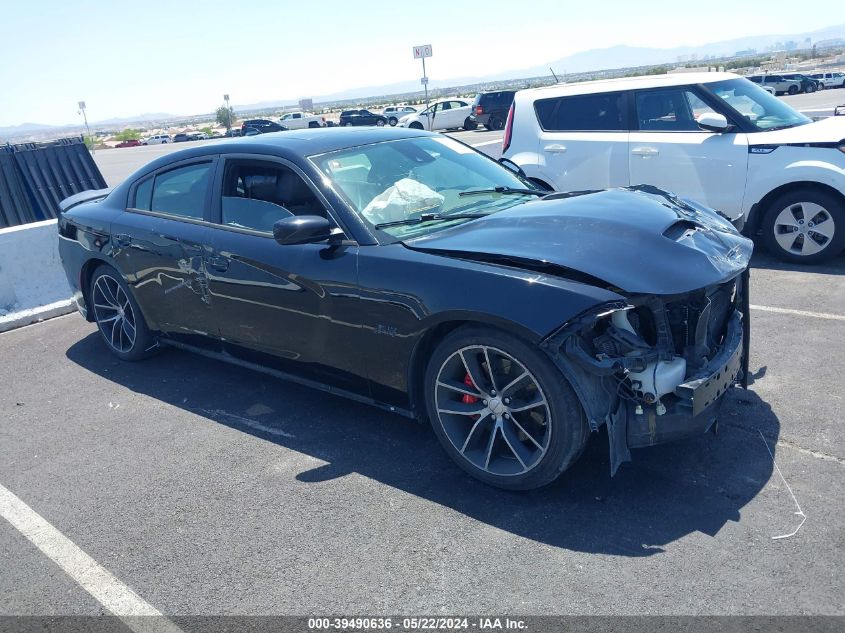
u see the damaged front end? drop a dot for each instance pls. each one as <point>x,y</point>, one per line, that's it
<point>655,368</point>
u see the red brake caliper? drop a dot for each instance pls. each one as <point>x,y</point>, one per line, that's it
<point>468,399</point>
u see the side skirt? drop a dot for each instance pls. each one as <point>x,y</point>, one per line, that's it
<point>228,358</point>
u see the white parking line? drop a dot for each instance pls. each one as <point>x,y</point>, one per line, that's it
<point>806,313</point>
<point>486,143</point>
<point>84,570</point>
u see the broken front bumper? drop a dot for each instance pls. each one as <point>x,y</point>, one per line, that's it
<point>697,400</point>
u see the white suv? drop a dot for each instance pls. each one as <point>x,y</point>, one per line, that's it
<point>158,139</point>
<point>715,138</point>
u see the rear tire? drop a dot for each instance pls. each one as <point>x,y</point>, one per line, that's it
<point>805,226</point>
<point>793,90</point>
<point>496,123</point>
<point>525,435</point>
<point>118,317</point>
<point>810,88</point>
<point>392,121</point>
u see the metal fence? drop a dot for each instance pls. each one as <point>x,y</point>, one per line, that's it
<point>35,177</point>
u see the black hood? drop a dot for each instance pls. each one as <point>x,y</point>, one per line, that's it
<point>638,239</point>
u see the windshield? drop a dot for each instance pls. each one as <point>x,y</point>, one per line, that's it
<point>761,108</point>
<point>407,179</point>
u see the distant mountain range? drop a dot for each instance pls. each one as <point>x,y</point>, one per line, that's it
<point>609,58</point>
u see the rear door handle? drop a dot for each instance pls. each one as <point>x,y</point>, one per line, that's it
<point>555,149</point>
<point>645,151</point>
<point>219,263</point>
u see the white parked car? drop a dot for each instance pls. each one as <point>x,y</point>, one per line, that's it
<point>830,80</point>
<point>394,113</point>
<point>301,120</point>
<point>715,138</point>
<point>157,139</point>
<point>447,114</point>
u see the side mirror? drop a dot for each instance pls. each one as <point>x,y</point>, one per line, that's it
<point>714,122</point>
<point>302,229</point>
<point>512,166</point>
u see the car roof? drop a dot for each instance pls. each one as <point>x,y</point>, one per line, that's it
<point>306,142</point>
<point>628,83</point>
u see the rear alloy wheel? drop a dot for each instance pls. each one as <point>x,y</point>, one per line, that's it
<point>502,410</point>
<point>118,317</point>
<point>805,226</point>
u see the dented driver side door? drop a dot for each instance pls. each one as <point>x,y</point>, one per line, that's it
<point>161,245</point>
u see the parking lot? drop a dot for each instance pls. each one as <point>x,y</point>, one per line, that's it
<point>209,489</point>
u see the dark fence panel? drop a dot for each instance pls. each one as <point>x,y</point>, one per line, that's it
<point>35,177</point>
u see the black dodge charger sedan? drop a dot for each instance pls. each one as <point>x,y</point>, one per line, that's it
<point>407,270</point>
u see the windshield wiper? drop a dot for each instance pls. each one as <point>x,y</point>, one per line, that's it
<point>504,190</point>
<point>429,217</point>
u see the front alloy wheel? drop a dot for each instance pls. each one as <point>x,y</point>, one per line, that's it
<point>502,410</point>
<point>805,226</point>
<point>492,410</point>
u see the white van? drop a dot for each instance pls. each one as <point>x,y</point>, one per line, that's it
<point>715,138</point>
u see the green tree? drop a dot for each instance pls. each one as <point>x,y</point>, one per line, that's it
<point>225,116</point>
<point>128,134</point>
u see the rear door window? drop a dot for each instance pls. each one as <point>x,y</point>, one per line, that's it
<point>602,112</point>
<point>182,191</point>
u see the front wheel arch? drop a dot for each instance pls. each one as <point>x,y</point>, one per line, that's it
<point>758,210</point>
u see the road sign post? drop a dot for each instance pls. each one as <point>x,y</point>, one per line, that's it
<point>421,52</point>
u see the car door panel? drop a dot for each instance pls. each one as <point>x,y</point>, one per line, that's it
<point>293,307</point>
<point>677,156</point>
<point>162,255</point>
<point>578,161</point>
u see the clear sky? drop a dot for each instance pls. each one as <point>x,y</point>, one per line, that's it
<point>180,56</point>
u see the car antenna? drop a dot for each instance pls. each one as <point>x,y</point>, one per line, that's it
<point>557,81</point>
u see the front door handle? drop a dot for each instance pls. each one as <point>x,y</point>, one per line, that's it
<point>645,151</point>
<point>122,239</point>
<point>219,263</point>
<point>555,149</point>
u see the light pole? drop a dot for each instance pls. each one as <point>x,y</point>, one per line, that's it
<point>228,113</point>
<point>85,118</point>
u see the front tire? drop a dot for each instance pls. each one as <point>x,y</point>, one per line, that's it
<point>806,226</point>
<point>392,121</point>
<point>379,123</point>
<point>502,410</point>
<point>793,90</point>
<point>118,316</point>
<point>810,89</point>
<point>416,125</point>
<point>469,124</point>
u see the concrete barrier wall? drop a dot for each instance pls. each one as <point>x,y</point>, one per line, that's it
<point>33,285</point>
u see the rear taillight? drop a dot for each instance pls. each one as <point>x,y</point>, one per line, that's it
<point>506,141</point>
<point>479,110</point>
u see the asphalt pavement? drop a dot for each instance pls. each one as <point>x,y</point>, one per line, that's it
<point>210,489</point>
